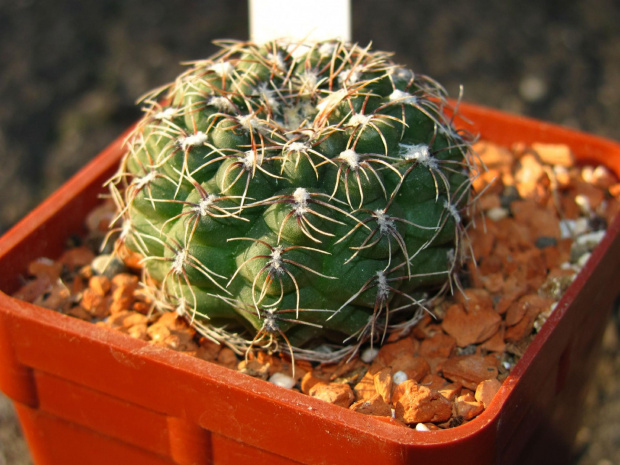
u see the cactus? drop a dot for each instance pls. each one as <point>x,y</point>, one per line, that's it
<point>296,196</point>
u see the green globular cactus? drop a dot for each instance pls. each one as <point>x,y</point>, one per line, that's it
<point>306,194</point>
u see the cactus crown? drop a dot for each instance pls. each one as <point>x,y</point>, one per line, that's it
<point>307,195</point>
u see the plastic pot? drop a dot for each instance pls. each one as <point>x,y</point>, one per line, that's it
<point>89,395</point>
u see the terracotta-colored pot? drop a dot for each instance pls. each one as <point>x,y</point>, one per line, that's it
<point>86,395</point>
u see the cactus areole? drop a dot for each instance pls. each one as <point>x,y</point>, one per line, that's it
<point>302,197</point>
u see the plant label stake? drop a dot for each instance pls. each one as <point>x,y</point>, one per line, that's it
<point>300,19</point>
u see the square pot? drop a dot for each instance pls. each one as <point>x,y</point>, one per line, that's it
<point>89,395</point>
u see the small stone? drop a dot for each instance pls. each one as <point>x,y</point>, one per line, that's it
<point>334,393</point>
<point>562,176</point>
<point>494,282</point>
<point>45,267</point>
<point>171,321</point>
<point>528,176</point>
<point>528,302</point>
<point>588,197</point>
<point>434,382</point>
<point>541,221</point>
<point>439,345</point>
<point>554,154</point>
<point>138,331</point>
<point>474,299</point>
<point>415,367</point>
<point>493,155</point>
<point>583,259</point>
<point>467,350</point>
<point>227,358</point>
<point>369,354</point>
<point>497,213</point>
<point>521,316</point>
<point>590,240</point>
<point>509,195</point>
<point>76,258</point>
<point>422,427</point>
<point>451,391</point>
<point>309,380</point>
<point>471,327</point>
<point>376,405</point>
<point>208,350</point>
<point>124,319</point>
<point>467,407</point>
<point>573,228</point>
<point>123,287</point>
<point>414,403</point>
<point>79,312</point>
<point>482,242</point>
<point>32,290</point>
<point>470,370</point>
<point>95,303</point>
<point>490,182</point>
<point>496,342</point>
<point>383,384</point>
<point>389,352</point>
<point>545,241</point>
<point>282,380</point>
<point>614,190</point>
<point>556,284</point>
<point>597,223</point>
<point>346,372</point>
<point>108,265</point>
<point>99,218</point>
<point>486,390</point>
<point>278,365</point>
<point>57,298</point>
<point>180,341</point>
<point>130,259</point>
<point>158,332</point>
<point>399,377</point>
<point>489,201</point>
<point>100,285</point>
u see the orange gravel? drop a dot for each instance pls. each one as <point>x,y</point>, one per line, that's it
<point>539,218</point>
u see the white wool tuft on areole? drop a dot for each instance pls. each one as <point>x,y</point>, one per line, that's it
<point>193,140</point>
<point>351,158</point>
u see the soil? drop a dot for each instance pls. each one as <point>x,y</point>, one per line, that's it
<point>68,86</point>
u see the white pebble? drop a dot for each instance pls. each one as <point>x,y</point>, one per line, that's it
<point>421,427</point>
<point>566,228</point>
<point>583,203</point>
<point>569,266</point>
<point>497,213</point>
<point>571,228</point>
<point>369,355</point>
<point>399,377</point>
<point>282,380</point>
<point>100,263</point>
<point>507,365</point>
<point>591,239</point>
<point>45,261</point>
<point>583,259</point>
<point>582,226</point>
<point>587,174</point>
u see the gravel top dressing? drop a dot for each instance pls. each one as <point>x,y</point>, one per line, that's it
<point>539,218</point>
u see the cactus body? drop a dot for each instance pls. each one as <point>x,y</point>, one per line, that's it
<point>306,193</point>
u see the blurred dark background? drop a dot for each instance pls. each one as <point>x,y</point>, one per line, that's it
<point>70,72</point>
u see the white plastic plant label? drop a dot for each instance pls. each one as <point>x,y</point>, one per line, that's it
<point>300,19</point>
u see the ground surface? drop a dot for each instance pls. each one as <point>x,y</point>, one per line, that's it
<point>70,72</point>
